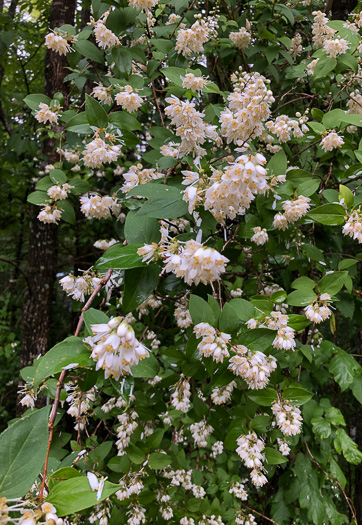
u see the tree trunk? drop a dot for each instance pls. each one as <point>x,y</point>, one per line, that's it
<point>42,237</point>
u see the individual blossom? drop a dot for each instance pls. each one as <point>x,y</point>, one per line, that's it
<point>241,39</point>
<point>353,226</point>
<point>59,192</point>
<point>331,141</point>
<point>222,395</point>
<point>238,490</point>
<point>180,398</point>
<point>190,126</point>
<point>336,47</point>
<point>115,347</point>
<point>127,425</point>
<point>102,93</point>
<point>98,152</point>
<point>50,214</point>
<point>129,99</point>
<point>260,236</point>
<point>189,81</point>
<point>56,42</point>
<point>102,244</point>
<point>289,418</point>
<point>213,344</point>
<point>45,114</point>
<point>254,367</point>
<point>296,209</point>
<point>319,311</point>
<point>196,263</point>
<point>200,432</point>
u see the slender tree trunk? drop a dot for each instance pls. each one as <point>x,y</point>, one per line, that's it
<point>42,237</point>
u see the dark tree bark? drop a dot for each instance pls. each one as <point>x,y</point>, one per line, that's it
<point>42,237</point>
<point>340,9</point>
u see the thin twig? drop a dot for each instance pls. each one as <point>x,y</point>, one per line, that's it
<point>351,508</point>
<point>259,514</point>
<point>61,380</point>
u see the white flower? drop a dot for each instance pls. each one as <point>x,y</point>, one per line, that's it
<point>285,339</point>
<point>102,93</point>
<point>336,47</point>
<point>137,175</point>
<point>254,367</point>
<point>104,36</point>
<point>98,152</point>
<point>115,347</point>
<point>192,40</point>
<point>217,449</point>
<point>260,236</point>
<point>102,244</point>
<point>283,127</point>
<point>319,311</point>
<point>289,418</point>
<point>50,215</point>
<point>238,490</point>
<point>222,395</point>
<point>296,209</point>
<point>127,426</point>
<point>143,4</point>
<point>129,99</point>
<point>241,39</point>
<point>57,43</point>
<point>331,141</point>
<point>283,447</point>
<point>353,226</point>
<point>189,81</point>
<point>59,192</point>
<point>180,399</point>
<point>200,432</point>
<point>182,314</point>
<point>45,114</point>
<point>280,221</point>
<point>213,344</point>
<point>95,206</point>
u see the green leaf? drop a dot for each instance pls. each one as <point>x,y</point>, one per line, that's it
<point>274,457</point>
<point>296,394</point>
<point>124,120</point>
<point>328,214</point>
<point>324,66</point>
<point>122,57</point>
<point>321,427</point>
<point>141,229</point>
<point>264,397</point>
<point>344,368</point>
<point>333,118</point>
<point>147,367</point>
<point>68,213</point>
<point>174,74</point>
<point>303,282</point>
<point>164,202</point>
<point>79,124</point>
<point>301,297</point>
<point>158,460</point>
<point>139,283</point>
<point>200,311</point>
<point>343,443</point>
<point>33,101</point>
<point>96,114</point>
<point>233,313</point>
<point>258,339</point>
<point>119,257</point>
<point>58,176</point>
<point>75,494</point>
<point>332,283</point>
<point>260,424</point>
<point>136,454</point>
<point>311,499</point>
<point>307,188</point>
<point>93,316</point>
<point>39,198</point>
<point>22,450</point>
<point>70,351</point>
<point>89,50</point>
<point>356,388</point>
<point>346,194</point>
<point>278,163</point>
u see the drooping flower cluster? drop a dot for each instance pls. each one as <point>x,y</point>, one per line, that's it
<point>102,93</point>
<point>217,448</point>
<point>241,39</point>
<point>260,236</point>
<point>289,418</point>
<point>296,45</point>
<point>98,152</point>
<point>145,5</point>
<point>242,518</point>
<point>79,403</point>
<point>283,447</point>
<point>211,520</point>
<point>138,175</point>
<point>96,207</point>
<point>47,114</point>
<point>319,311</point>
<point>284,339</point>
<point>190,127</point>
<point>335,47</point>
<point>59,192</point>
<point>331,141</point>
<point>136,514</point>
<point>320,30</point>
<point>182,314</point>
<point>249,107</point>
<point>56,42</point>
<point>293,211</point>
<point>200,432</point>
<point>192,40</point>
<point>50,214</point>
<point>222,395</point>
<point>237,187</point>
<point>115,347</point>
<point>353,226</point>
<point>103,244</point>
<point>254,367</point>
<point>105,38</point>
<point>129,99</point>
<point>196,263</point>
<point>283,127</point>
<point>126,428</point>
<point>250,449</point>
<point>133,487</point>
<point>213,344</point>
<point>79,287</point>
<point>189,81</point>
<point>180,398</point>
<point>238,489</point>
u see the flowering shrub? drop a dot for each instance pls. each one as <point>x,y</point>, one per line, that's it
<point>206,381</point>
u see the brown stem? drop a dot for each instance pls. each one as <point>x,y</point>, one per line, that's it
<point>61,379</point>
<point>259,514</point>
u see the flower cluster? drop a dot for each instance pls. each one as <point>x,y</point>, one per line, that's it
<point>353,226</point>
<point>260,236</point>
<point>103,244</point>
<point>98,152</point>
<point>319,311</point>
<point>320,30</point>
<point>222,395</point>
<point>56,42</point>
<point>182,314</point>
<point>254,367</point>
<point>115,347</point>
<point>331,141</point>
<point>213,344</point>
<point>59,192</point>
<point>283,447</point>
<point>335,47</point>
<point>192,40</point>
<point>129,99</point>
<point>293,211</point>
<point>96,207</point>
<point>46,114</point>
<point>190,127</point>
<point>104,36</point>
<point>250,449</point>
<point>238,490</point>
<point>138,175</point>
<point>241,39</point>
<point>126,428</point>
<point>79,287</point>
<point>200,432</point>
<point>189,81</point>
<point>289,418</point>
<point>180,398</point>
<point>50,215</point>
<point>102,93</point>
<point>283,127</point>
